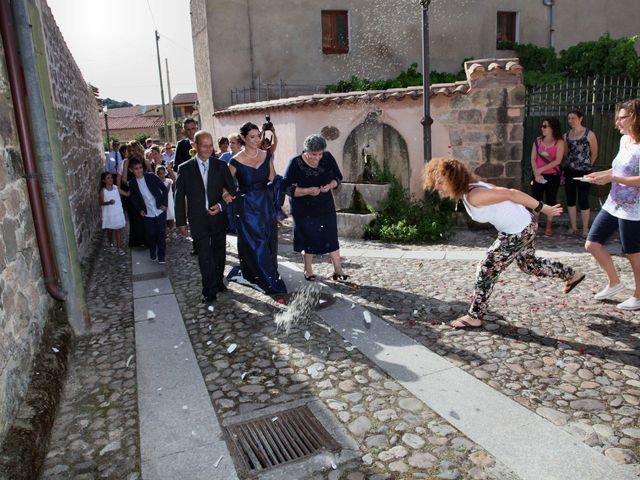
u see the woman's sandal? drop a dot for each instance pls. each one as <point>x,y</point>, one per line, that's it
<point>573,282</point>
<point>310,278</point>
<point>340,278</point>
<point>462,322</point>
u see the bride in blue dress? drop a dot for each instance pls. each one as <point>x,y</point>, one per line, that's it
<point>255,216</point>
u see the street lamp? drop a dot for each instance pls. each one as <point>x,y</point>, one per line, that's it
<point>426,120</point>
<point>106,121</point>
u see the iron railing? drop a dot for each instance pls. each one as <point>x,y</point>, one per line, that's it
<point>264,91</point>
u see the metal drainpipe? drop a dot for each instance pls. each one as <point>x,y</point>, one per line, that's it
<point>18,93</point>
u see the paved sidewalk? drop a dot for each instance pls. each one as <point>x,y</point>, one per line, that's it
<point>564,364</point>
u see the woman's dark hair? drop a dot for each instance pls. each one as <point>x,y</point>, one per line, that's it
<point>556,129</point>
<point>247,127</point>
<point>632,107</point>
<point>103,176</point>
<point>222,141</point>
<point>577,112</point>
<point>123,150</point>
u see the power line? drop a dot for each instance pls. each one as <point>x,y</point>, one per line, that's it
<point>151,13</point>
<point>175,43</point>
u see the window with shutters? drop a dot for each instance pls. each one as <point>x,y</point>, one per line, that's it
<point>507,30</point>
<point>335,31</point>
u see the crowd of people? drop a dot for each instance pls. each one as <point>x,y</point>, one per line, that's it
<point>234,188</point>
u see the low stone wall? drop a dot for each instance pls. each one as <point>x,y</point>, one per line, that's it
<point>373,195</point>
<point>24,303</point>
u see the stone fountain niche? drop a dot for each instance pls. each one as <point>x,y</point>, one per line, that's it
<point>371,141</point>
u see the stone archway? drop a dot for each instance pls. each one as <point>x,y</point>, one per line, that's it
<point>379,141</point>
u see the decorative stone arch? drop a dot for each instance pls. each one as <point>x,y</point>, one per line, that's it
<point>379,141</point>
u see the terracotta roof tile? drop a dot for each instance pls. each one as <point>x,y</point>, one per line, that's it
<point>473,69</point>
<point>190,98</point>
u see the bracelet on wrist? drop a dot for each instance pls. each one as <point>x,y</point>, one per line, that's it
<point>539,207</point>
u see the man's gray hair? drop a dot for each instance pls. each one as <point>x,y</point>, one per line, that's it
<point>314,143</point>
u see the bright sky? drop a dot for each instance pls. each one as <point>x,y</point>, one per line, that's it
<point>113,43</point>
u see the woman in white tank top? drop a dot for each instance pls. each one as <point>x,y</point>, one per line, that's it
<point>505,209</point>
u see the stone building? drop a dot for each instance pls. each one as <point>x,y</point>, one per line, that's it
<point>73,131</point>
<point>478,121</point>
<point>305,45</point>
<point>126,123</point>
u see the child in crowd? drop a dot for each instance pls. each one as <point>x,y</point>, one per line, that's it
<point>112,213</point>
<point>149,198</point>
<point>161,172</point>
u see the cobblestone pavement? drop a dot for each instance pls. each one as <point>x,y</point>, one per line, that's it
<point>400,437</point>
<point>569,358</point>
<point>95,434</point>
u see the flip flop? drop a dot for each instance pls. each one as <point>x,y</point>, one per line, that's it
<point>571,284</point>
<point>463,323</point>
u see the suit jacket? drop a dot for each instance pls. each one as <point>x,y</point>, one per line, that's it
<point>189,202</point>
<point>155,186</point>
<point>182,153</point>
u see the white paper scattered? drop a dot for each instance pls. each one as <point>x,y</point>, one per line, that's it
<point>178,345</point>
<point>209,342</point>
<point>353,305</point>
<point>367,317</point>
<point>156,290</point>
<point>210,308</point>
<point>274,419</point>
<point>150,315</point>
<point>184,407</point>
<point>137,263</point>
<point>243,375</point>
<point>232,347</point>
<point>129,360</point>
<point>209,326</point>
<point>333,465</point>
<point>415,312</point>
<point>307,335</point>
<point>159,388</point>
<point>218,462</point>
<point>226,338</point>
<point>55,349</point>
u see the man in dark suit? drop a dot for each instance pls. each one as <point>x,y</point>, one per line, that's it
<point>190,128</point>
<point>150,197</point>
<point>200,186</point>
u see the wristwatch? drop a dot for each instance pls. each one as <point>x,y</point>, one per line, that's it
<point>539,207</point>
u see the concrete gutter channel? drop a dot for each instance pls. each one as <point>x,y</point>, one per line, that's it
<point>181,437</point>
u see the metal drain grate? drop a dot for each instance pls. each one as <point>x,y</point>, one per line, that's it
<point>274,440</point>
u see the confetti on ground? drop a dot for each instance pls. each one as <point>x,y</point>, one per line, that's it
<point>129,360</point>
<point>210,308</point>
<point>243,375</point>
<point>184,407</point>
<point>55,349</point>
<point>353,305</point>
<point>367,317</point>
<point>150,315</point>
<point>218,461</point>
<point>307,335</point>
<point>232,347</point>
<point>274,419</point>
<point>156,290</point>
<point>209,342</point>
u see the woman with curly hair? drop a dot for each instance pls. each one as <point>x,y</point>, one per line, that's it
<point>506,210</point>
<point>621,211</point>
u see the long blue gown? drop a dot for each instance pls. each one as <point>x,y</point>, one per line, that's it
<point>257,229</point>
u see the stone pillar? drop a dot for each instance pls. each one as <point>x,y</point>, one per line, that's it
<point>485,124</point>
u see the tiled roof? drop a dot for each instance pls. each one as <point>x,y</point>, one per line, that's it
<point>138,116</point>
<point>473,68</point>
<point>189,98</point>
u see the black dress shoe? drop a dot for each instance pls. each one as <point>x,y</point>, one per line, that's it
<point>222,288</point>
<point>208,298</point>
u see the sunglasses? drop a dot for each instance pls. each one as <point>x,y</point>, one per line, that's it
<point>546,125</point>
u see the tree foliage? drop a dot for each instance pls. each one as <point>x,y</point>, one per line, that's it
<point>110,103</point>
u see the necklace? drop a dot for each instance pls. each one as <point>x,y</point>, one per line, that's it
<point>251,156</point>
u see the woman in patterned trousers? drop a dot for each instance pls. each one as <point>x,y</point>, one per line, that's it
<point>506,210</point>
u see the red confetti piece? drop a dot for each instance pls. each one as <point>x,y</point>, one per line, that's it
<point>433,322</point>
<point>581,351</point>
<point>591,353</point>
<point>411,323</point>
<point>280,300</point>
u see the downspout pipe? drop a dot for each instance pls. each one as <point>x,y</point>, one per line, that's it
<point>18,93</point>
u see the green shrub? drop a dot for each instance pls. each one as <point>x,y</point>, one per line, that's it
<point>404,219</point>
<point>605,55</point>
<point>141,139</point>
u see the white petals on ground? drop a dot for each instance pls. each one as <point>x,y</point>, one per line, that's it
<point>232,347</point>
<point>184,407</point>
<point>209,342</point>
<point>218,461</point>
<point>367,317</point>
<point>156,290</point>
<point>129,360</point>
<point>353,305</point>
<point>210,308</point>
<point>55,350</point>
<point>150,315</point>
<point>178,345</point>
<point>307,335</point>
<point>274,419</point>
<point>243,375</point>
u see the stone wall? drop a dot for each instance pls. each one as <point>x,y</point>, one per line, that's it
<point>78,126</point>
<point>485,125</point>
<point>24,303</point>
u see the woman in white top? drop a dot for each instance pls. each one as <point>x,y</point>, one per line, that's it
<point>506,210</point>
<point>621,211</point>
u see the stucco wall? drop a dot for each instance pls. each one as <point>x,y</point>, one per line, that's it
<point>24,303</point>
<point>479,122</point>
<point>283,39</point>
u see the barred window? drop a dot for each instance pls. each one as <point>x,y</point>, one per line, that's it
<point>335,31</point>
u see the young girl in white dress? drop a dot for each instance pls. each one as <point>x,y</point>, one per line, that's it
<point>112,213</point>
